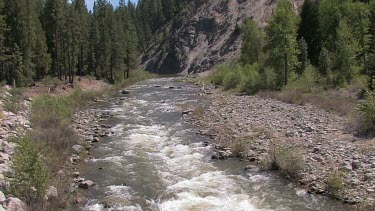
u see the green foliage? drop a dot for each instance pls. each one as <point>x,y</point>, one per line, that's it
<point>303,56</point>
<point>253,43</point>
<point>268,79</point>
<point>324,62</point>
<point>50,81</point>
<point>250,80</point>
<point>307,82</point>
<point>346,53</point>
<point>281,41</point>
<point>366,113</point>
<point>13,102</point>
<point>335,183</point>
<point>30,171</point>
<point>309,29</point>
<point>287,159</point>
<point>220,73</point>
<point>49,110</point>
<point>134,76</point>
<point>232,79</point>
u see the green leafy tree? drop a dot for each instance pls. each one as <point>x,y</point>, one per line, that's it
<point>252,43</point>
<point>347,49</point>
<point>282,40</point>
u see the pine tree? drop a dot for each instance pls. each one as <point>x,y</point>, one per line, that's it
<point>329,18</point>
<point>82,24</point>
<point>303,56</point>
<point>324,62</point>
<point>3,28</point>
<point>309,28</point>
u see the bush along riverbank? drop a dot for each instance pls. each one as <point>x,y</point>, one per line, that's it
<point>42,154</point>
<point>304,143</point>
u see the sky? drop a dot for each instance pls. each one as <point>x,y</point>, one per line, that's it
<point>90,3</point>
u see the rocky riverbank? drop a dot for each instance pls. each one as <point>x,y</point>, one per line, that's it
<point>14,124</point>
<point>10,124</point>
<point>326,145</point>
<point>89,125</point>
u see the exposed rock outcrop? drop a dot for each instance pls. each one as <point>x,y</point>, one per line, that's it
<point>199,39</point>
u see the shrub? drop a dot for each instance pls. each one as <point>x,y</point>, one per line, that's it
<point>57,141</point>
<point>268,79</point>
<point>307,82</point>
<point>29,170</point>
<point>47,110</point>
<point>134,76</point>
<point>50,81</point>
<point>217,78</point>
<point>288,159</point>
<point>366,113</point>
<point>13,102</point>
<point>335,183</point>
<point>232,79</point>
<point>250,80</point>
<point>238,148</point>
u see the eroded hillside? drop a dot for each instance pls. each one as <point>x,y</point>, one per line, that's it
<point>197,41</point>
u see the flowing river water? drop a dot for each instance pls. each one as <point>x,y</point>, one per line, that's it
<point>156,161</point>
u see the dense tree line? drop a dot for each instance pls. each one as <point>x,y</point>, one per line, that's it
<point>61,38</point>
<point>330,42</point>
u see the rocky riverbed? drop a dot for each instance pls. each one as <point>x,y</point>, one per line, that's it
<point>257,123</point>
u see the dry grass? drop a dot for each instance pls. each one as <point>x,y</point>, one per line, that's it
<point>198,112</point>
<point>335,183</point>
<point>56,144</point>
<point>289,160</point>
<point>239,147</point>
<point>333,101</point>
<point>184,106</point>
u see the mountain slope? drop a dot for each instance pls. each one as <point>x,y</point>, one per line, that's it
<point>199,40</point>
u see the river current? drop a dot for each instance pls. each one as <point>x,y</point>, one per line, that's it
<point>156,161</point>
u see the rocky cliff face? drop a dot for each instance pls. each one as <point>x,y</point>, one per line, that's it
<point>197,41</point>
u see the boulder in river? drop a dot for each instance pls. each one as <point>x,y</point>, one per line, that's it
<point>86,184</point>
<point>77,148</point>
<point>124,92</point>
<point>187,112</point>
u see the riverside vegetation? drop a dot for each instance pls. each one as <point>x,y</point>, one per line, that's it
<point>43,151</point>
<point>307,56</point>
<point>322,56</point>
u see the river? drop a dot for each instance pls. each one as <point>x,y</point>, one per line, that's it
<point>156,161</point>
